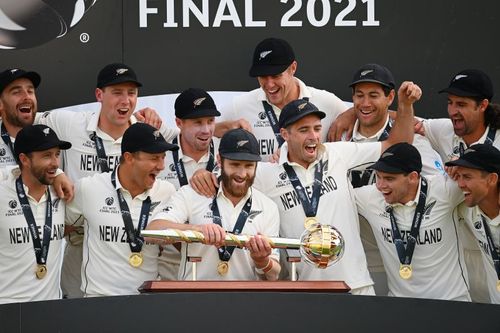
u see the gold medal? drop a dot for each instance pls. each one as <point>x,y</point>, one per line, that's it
<point>498,285</point>
<point>405,271</point>
<point>310,221</point>
<point>223,268</point>
<point>41,271</point>
<point>135,259</point>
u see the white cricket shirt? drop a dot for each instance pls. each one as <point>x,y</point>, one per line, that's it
<point>17,259</point>
<point>474,221</point>
<point>187,205</point>
<point>336,205</point>
<point>438,268</point>
<point>106,270</point>
<point>249,107</point>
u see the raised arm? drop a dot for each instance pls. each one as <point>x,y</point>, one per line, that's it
<point>403,129</point>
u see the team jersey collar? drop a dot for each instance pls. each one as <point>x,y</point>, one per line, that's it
<point>494,223</point>
<point>411,203</point>
<point>284,156</point>
<point>221,195</point>
<point>141,196</point>
<point>185,158</point>
<point>357,136</point>
<point>457,140</point>
<point>94,121</point>
<point>11,138</point>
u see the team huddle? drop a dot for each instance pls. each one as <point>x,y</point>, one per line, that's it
<point>417,201</point>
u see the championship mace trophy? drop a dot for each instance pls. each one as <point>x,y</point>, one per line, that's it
<point>319,245</point>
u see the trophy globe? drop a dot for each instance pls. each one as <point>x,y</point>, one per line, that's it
<point>322,245</point>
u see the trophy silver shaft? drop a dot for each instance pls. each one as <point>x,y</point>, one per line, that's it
<point>191,236</point>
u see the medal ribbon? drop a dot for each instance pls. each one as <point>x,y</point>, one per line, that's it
<point>41,247</point>
<point>225,252</point>
<point>273,120</point>
<point>101,153</point>
<point>490,138</point>
<point>8,142</point>
<point>494,253</point>
<point>366,177</point>
<point>133,236</point>
<point>179,165</point>
<point>405,254</point>
<point>310,205</point>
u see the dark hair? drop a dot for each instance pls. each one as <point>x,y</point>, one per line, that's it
<point>491,114</point>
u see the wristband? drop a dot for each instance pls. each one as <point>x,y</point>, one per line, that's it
<point>266,268</point>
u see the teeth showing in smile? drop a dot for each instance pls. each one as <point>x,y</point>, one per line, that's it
<point>25,108</point>
<point>123,111</point>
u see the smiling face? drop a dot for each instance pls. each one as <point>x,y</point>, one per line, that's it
<point>397,187</point>
<point>117,104</point>
<point>196,133</point>
<point>371,106</point>
<point>475,184</point>
<point>467,116</point>
<point>303,139</point>
<point>281,88</point>
<point>18,104</point>
<point>237,177</point>
<point>145,167</point>
<point>42,165</point>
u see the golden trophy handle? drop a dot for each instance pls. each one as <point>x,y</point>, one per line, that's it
<point>319,245</point>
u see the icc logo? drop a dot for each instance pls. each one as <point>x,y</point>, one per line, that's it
<point>283,175</point>
<point>109,201</point>
<point>171,167</point>
<point>29,23</point>
<point>262,116</point>
<point>2,152</point>
<point>13,204</point>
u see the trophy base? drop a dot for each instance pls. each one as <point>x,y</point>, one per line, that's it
<point>245,286</point>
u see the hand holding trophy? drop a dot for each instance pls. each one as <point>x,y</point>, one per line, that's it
<point>319,245</point>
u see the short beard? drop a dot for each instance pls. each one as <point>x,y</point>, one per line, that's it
<point>239,193</point>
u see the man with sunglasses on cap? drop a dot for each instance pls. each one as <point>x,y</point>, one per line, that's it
<point>477,175</point>
<point>410,216</point>
<point>114,207</point>
<point>274,65</point>
<point>32,220</point>
<point>195,114</point>
<point>238,208</point>
<point>96,137</point>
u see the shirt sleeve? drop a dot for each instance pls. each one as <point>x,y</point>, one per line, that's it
<point>228,111</point>
<point>177,209</point>
<point>435,129</point>
<point>356,154</point>
<point>74,209</point>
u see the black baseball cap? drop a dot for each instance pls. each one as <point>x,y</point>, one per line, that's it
<point>10,75</point>
<point>470,83</point>
<point>271,57</point>
<point>116,73</point>
<point>195,103</point>
<point>399,158</point>
<point>374,73</point>
<point>239,145</point>
<point>296,110</point>
<point>479,156</point>
<point>146,138</point>
<point>37,138</point>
